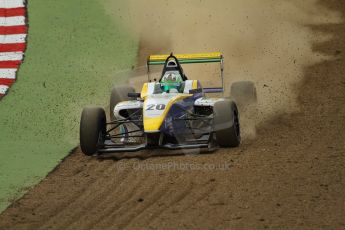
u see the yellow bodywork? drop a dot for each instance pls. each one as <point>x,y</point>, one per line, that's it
<point>144,90</point>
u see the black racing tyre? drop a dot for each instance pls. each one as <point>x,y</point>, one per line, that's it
<point>243,92</point>
<point>92,129</point>
<point>118,94</point>
<point>226,124</point>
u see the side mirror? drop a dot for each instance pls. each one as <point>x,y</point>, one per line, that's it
<point>134,95</point>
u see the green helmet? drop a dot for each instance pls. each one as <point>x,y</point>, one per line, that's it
<point>171,80</point>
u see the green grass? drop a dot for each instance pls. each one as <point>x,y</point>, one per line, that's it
<point>74,51</point>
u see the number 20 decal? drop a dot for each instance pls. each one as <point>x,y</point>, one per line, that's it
<point>155,107</point>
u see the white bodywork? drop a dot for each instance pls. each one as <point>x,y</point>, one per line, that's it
<point>159,99</point>
<point>207,101</point>
<point>127,105</point>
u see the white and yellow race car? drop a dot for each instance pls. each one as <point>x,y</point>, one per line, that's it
<point>172,113</point>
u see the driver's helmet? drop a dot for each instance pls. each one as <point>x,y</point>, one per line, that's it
<point>171,80</point>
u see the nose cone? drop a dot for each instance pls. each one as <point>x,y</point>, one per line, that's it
<point>156,108</point>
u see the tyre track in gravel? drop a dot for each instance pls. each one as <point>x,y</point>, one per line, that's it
<point>153,209</point>
<point>156,191</point>
<point>124,216</point>
<point>137,187</point>
<point>97,190</point>
<point>177,196</point>
<point>107,205</point>
<point>72,201</point>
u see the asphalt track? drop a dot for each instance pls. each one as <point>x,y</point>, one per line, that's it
<point>290,176</point>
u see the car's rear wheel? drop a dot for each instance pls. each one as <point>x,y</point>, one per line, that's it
<point>118,94</point>
<point>243,92</point>
<point>92,129</point>
<point>226,124</point>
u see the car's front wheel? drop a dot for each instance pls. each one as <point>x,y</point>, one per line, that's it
<point>92,129</point>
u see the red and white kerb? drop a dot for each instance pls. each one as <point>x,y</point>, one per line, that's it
<point>13,32</point>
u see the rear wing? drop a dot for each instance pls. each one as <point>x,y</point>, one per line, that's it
<point>186,58</point>
<point>213,57</point>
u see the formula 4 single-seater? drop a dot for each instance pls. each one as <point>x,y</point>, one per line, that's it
<point>170,113</point>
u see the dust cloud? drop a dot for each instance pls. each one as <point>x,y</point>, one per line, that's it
<point>264,41</point>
